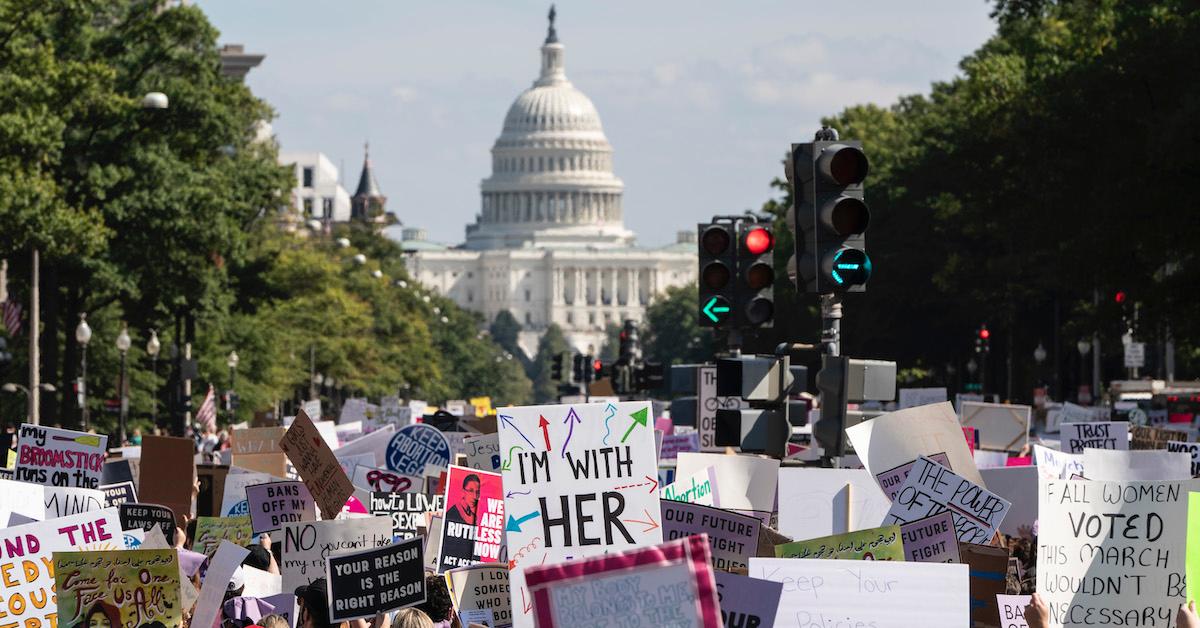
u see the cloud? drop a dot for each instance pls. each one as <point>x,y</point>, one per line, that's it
<point>404,94</point>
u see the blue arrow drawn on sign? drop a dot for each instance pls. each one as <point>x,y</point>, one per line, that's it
<point>570,414</point>
<point>514,524</point>
<point>508,421</point>
<point>612,412</point>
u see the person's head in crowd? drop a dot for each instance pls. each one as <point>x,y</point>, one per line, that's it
<point>411,618</point>
<point>236,585</point>
<point>437,601</point>
<point>258,558</point>
<point>274,620</point>
<point>101,615</point>
<point>312,605</point>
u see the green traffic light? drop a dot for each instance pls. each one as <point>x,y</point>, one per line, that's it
<point>715,306</point>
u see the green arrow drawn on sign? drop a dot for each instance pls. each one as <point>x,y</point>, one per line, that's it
<point>711,309</point>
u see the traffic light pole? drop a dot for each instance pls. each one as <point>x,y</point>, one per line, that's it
<point>831,324</point>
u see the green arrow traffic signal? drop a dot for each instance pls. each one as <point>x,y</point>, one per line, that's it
<point>715,309</point>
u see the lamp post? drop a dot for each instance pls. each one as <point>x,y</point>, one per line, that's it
<point>83,335</point>
<point>232,362</point>
<point>123,344</point>
<point>153,346</point>
<point>17,388</point>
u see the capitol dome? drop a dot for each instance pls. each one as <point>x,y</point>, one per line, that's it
<point>552,182</point>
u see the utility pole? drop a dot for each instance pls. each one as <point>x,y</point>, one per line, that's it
<point>35,324</point>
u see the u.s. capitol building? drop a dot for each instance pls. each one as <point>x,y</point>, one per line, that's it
<point>550,243</point>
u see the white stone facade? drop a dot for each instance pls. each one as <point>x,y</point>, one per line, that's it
<point>550,243</point>
<point>318,193</point>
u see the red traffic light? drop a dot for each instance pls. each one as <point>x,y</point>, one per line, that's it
<point>597,366</point>
<point>715,240</point>
<point>1120,296</point>
<point>758,241</point>
<point>984,334</point>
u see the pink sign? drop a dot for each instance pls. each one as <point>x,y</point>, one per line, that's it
<point>1019,461</point>
<point>972,436</point>
<point>473,528</point>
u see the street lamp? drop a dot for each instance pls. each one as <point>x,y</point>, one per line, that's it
<point>83,335</point>
<point>1039,354</point>
<point>232,363</point>
<point>155,100</point>
<point>153,346</point>
<point>123,344</point>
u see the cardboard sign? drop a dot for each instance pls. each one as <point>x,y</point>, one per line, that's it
<point>1087,531</point>
<point>1002,427</point>
<point>148,516</point>
<point>385,481</point>
<point>117,494</point>
<point>1012,610</point>
<point>1132,466</point>
<point>821,502</point>
<point>414,447</point>
<point>707,404</point>
<point>674,444</point>
<point>1142,437</point>
<point>913,397</point>
<point>258,449</point>
<point>482,587</point>
<point>167,474</point>
<point>54,457</point>
<point>758,475</point>
<point>931,540</point>
<point>882,543</point>
<point>901,594</point>
<point>26,556</point>
<point>1055,465</point>
<point>733,538</point>
<point>137,588</point>
<point>210,531</point>
<point>365,582</point>
<point>60,501</point>
<point>233,501</point>
<point>1019,486</point>
<point>483,452</point>
<point>892,480</point>
<point>747,602</point>
<point>989,570</point>
<point>473,527</point>
<point>579,480</point>
<point>406,510</point>
<point>1191,449</point>
<point>273,504</point>
<point>698,488</point>
<point>610,590</point>
<point>375,443</point>
<point>1094,435</point>
<point>317,465</point>
<point>348,463</point>
<point>212,489</point>
<point>897,438</point>
<point>307,543</point>
<point>932,488</point>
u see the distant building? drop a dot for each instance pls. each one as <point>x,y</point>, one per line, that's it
<point>550,243</point>
<point>236,62</point>
<point>368,203</point>
<point>318,194</point>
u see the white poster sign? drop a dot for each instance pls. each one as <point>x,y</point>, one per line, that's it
<point>1141,465</point>
<point>1053,464</point>
<point>1094,435</point>
<point>1002,427</point>
<point>751,479</point>
<point>1019,486</point>
<point>932,489</point>
<point>817,502</point>
<point>307,543</point>
<point>898,438</point>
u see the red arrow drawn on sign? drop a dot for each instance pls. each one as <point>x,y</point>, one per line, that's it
<point>543,423</point>
<point>653,484</point>
<point>651,524</point>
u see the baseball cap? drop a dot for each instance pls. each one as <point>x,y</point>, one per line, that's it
<point>315,604</point>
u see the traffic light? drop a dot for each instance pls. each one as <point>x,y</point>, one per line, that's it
<point>718,263</point>
<point>578,367</point>
<point>597,370</point>
<point>755,291</point>
<point>982,339</point>
<point>843,380</point>
<point>830,217</point>
<point>556,366</point>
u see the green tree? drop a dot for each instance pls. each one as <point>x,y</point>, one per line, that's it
<point>505,331</point>
<point>671,334</point>
<point>551,344</point>
<point>611,349</point>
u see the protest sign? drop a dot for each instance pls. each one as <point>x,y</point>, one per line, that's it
<point>406,510</point>
<point>1094,435</point>
<point>932,488</point>
<point>375,443</point>
<point>1142,437</point>
<point>987,459</point>
<point>373,580</point>
<point>1111,552</point>
<point>165,476</point>
<point>212,594</point>
<point>54,457</point>
<point>892,480</point>
<point>989,569</point>
<point>258,449</point>
<point>674,444</point>
<point>348,463</point>
<point>233,500</point>
<point>1067,413</point>
<point>579,480</point>
<point>148,516</point>
<point>481,587</point>
<point>1012,610</point>
<point>752,479</point>
<point>260,583</point>
<point>212,489</point>
<point>60,501</point>
<point>883,543</point>
<point>1191,449</point>
<point>383,480</point>
<point>732,537</point>
<point>668,584</point>
<point>26,561</point>
<point>1019,486</point>
<point>307,543</point>
<point>117,588</point>
<point>210,531</point>
<point>1138,465</point>
<point>698,488</point>
<point>913,397</point>
<point>473,527</point>
<point>821,502</point>
<point>23,499</point>
<point>1192,549</point>
<point>117,494</point>
<point>413,447</point>
<point>317,465</point>
<point>747,602</point>
<point>117,471</point>
<point>897,438</point>
<point>901,594</point>
<point>275,503</point>
<point>707,404</point>
<point>931,540</point>
<point>1054,465</point>
<point>1002,427</point>
<point>483,452</point>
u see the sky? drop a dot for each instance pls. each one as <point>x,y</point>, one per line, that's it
<point>700,99</point>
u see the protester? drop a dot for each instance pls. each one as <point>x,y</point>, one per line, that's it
<point>411,618</point>
<point>274,620</point>
<point>438,605</point>
<point>312,605</point>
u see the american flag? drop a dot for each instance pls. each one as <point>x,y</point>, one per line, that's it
<point>12,317</point>
<point>206,416</point>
